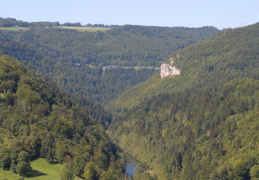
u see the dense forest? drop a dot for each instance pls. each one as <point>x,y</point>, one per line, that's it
<point>41,121</point>
<point>125,46</point>
<point>12,22</point>
<point>202,124</point>
<point>214,61</point>
<point>84,97</point>
<point>78,59</point>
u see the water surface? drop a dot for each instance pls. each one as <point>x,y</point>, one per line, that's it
<point>130,169</point>
<point>131,164</point>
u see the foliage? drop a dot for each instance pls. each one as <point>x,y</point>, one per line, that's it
<point>67,172</point>
<point>90,172</point>
<point>44,122</point>
<point>202,124</point>
<point>212,62</point>
<point>255,172</point>
<point>81,57</point>
<point>96,66</point>
<point>10,22</point>
<point>23,168</point>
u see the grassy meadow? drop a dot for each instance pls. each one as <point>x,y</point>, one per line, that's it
<point>82,29</point>
<point>14,28</point>
<point>8,175</point>
<point>41,170</point>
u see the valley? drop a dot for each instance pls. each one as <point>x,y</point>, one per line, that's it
<point>183,101</point>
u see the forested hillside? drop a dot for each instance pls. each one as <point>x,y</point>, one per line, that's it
<point>228,55</point>
<point>200,124</point>
<point>129,53</point>
<point>203,123</point>
<point>125,46</point>
<point>47,67</point>
<point>38,120</point>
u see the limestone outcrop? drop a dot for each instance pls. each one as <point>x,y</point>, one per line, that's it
<point>167,69</point>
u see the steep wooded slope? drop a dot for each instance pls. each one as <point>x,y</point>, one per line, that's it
<point>41,121</point>
<point>79,57</point>
<point>126,46</point>
<point>47,67</point>
<point>204,123</point>
<point>214,61</point>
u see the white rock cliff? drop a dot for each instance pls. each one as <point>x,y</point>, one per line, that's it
<point>167,69</point>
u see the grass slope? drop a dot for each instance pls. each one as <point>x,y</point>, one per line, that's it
<point>41,170</point>
<point>82,29</point>
<point>8,175</point>
<point>14,28</point>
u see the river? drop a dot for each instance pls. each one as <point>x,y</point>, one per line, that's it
<point>130,169</point>
<point>131,164</point>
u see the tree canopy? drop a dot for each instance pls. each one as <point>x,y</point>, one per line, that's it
<point>44,122</point>
<point>202,124</point>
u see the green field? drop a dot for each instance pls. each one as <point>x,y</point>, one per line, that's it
<point>8,175</point>
<point>41,170</point>
<point>82,29</point>
<point>14,28</point>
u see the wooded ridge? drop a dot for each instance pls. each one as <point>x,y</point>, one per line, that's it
<point>203,123</point>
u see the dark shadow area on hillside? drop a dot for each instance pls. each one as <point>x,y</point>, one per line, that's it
<point>54,162</point>
<point>35,173</point>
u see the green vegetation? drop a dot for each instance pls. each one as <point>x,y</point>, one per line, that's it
<point>14,28</point>
<point>124,46</point>
<point>44,170</point>
<point>3,139</point>
<point>88,29</point>
<point>11,22</point>
<point>40,121</point>
<point>41,170</point>
<point>211,62</point>
<point>7,174</point>
<point>202,124</point>
<point>131,53</point>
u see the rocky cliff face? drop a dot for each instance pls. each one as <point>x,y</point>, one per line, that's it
<point>167,69</point>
